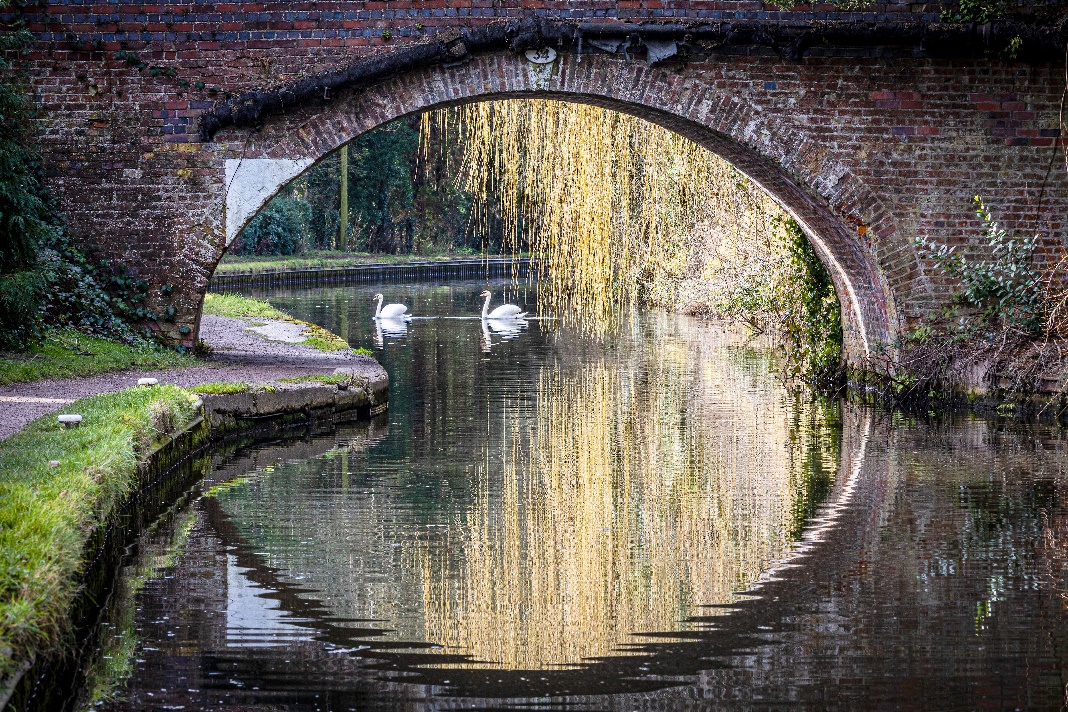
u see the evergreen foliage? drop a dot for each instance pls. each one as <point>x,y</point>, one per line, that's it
<point>44,278</point>
<point>381,190</point>
<point>24,215</point>
<point>282,228</point>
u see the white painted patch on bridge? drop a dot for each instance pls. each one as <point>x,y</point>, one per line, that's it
<point>250,183</point>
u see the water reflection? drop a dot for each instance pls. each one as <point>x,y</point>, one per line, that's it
<point>617,508</point>
<point>392,328</point>
<point>645,522</point>
<point>612,495</point>
<point>507,329</point>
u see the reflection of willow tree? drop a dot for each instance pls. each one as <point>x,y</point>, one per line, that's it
<point>635,478</point>
<point>637,502</point>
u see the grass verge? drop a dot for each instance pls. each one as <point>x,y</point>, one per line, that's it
<point>333,379</point>
<point>65,353</point>
<point>254,264</point>
<point>219,388</point>
<point>48,511</point>
<point>237,307</point>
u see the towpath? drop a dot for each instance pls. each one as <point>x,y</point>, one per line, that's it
<point>239,354</point>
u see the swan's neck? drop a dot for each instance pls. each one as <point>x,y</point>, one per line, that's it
<point>485,307</point>
<point>378,311</point>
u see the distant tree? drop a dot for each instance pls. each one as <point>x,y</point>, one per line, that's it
<point>400,199</point>
<point>323,201</point>
<point>281,228</point>
<point>381,190</point>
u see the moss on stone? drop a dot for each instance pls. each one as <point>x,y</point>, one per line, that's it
<point>219,388</point>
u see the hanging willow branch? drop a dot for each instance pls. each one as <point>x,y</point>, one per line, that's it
<point>615,208</point>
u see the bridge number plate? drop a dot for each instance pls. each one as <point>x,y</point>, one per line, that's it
<point>542,55</point>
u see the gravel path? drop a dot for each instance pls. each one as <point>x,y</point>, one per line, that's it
<point>238,355</point>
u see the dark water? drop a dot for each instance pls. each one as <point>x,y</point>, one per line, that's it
<point>641,521</point>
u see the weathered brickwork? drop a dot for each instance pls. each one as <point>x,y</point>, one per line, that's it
<point>870,146</point>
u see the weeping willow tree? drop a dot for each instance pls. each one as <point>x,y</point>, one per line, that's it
<point>620,210</point>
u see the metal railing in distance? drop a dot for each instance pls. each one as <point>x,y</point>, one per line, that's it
<point>480,268</point>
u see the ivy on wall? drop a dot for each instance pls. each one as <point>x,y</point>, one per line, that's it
<point>46,279</point>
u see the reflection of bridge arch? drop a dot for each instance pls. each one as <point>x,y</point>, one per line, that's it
<point>824,195</point>
<point>325,650</point>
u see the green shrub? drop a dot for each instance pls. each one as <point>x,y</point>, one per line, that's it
<point>25,218</point>
<point>20,294</point>
<point>281,228</point>
<point>976,11</point>
<point>1007,289</point>
<point>74,289</point>
<point>812,322</point>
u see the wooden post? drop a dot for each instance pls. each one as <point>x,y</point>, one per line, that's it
<point>343,231</point>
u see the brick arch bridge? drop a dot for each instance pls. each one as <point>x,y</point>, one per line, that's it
<point>872,132</point>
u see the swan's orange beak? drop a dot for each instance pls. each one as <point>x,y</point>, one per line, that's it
<point>482,294</point>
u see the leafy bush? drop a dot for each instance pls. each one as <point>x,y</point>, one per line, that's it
<point>1004,321</point>
<point>20,293</point>
<point>74,289</point>
<point>1007,289</point>
<point>976,11</point>
<point>281,228</point>
<point>812,322</point>
<point>24,212</point>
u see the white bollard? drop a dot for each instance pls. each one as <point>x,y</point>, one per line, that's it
<point>70,420</point>
<point>147,382</point>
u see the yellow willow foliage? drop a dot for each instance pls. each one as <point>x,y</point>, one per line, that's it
<point>613,206</point>
<point>577,539</point>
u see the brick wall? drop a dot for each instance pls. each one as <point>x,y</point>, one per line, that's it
<point>870,144</point>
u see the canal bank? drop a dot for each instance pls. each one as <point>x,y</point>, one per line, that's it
<point>75,498</point>
<point>250,349</point>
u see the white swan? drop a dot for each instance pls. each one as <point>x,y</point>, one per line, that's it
<point>389,311</point>
<point>505,311</point>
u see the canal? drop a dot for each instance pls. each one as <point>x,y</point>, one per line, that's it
<point>640,520</point>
